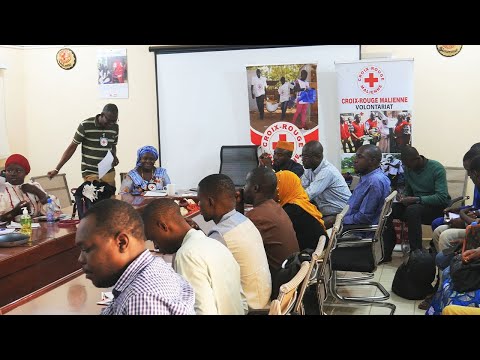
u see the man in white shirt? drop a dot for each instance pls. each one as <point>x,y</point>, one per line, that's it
<point>258,87</point>
<point>207,264</point>
<point>284,92</point>
<point>216,194</point>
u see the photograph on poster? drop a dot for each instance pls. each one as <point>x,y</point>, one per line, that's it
<point>285,93</point>
<point>112,73</point>
<point>389,130</point>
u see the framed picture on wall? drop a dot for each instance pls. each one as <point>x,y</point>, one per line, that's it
<point>112,73</point>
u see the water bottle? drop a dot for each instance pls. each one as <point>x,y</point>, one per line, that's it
<point>50,211</point>
<point>26,223</point>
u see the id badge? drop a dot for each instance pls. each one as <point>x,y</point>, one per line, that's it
<point>103,141</point>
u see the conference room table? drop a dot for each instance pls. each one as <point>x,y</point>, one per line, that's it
<point>36,273</point>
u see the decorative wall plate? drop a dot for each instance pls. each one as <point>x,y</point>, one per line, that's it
<point>66,58</point>
<point>449,50</point>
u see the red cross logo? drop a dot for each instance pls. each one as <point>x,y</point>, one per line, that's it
<point>281,137</point>
<point>371,80</point>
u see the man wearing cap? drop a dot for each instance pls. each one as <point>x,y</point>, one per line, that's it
<point>282,159</point>
<point>15,194</point>
<point>98,135</point>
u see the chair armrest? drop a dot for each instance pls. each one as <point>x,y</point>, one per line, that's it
<point>360,228</point>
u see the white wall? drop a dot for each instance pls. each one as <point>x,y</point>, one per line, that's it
<point>13,82</point>
<point>446,98</point>
<point>54,101</point>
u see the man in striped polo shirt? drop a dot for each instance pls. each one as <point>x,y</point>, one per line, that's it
<point>97,135</point>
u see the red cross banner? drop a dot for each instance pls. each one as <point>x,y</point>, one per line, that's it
<point>375,101</point>
<point>283,105</point>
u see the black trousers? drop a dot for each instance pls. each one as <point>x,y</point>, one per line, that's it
<point>414,215</point>
<point>284,109</point>
<point>260,104</point>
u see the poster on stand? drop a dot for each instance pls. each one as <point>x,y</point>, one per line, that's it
<point>375,102</point>
<point>112,73</point>
<point>283,106</point>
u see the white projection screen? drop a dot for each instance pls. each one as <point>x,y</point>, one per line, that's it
<point>202,99</point>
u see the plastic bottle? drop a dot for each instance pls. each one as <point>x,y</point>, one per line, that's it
<point>26,222</point>
<point>50,211</point>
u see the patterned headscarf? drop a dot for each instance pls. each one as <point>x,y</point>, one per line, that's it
<point>290,191</point>
<point>146,149</point>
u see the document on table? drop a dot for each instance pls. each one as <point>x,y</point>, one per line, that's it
<point>154,193</point>
<point>105,164</point>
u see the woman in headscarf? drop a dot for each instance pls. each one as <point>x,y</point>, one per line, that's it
<point>15,194</point>
<point>145,176</point>
<point>306,219</point>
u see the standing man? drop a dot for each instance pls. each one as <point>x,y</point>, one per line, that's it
<point>323,183</point>
<point>98,135</point>
<point>358,131</point>
<point>423,200</point>
<point>284,92</point>
<point>301,84</point>
<point>258,87</point>
<point>282,159</point>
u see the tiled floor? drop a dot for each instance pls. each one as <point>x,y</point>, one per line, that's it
<point>384,275</point>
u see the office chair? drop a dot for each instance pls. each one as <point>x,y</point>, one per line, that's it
<point>357,254</point>
<point>236,161</point>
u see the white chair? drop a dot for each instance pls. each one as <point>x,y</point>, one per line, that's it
<point>56,186</point>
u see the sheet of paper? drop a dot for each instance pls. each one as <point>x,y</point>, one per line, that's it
<point>154,193</point>
<point>6,231</point>
<point>105,164</point>
<point>15,225</point>
<point>453,215</point>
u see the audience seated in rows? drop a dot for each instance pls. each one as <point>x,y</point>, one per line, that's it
<point>271,220</point>
<point>323,183</point>
<point>111,239</point>
<point>16,193</point>
<point>204,262</point>
<point>216,194</point>
<point>305,217</point>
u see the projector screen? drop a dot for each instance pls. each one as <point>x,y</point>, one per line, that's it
<point>203,103</point>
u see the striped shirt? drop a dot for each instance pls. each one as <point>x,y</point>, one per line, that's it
<point>327,187</point>
<point>150,286</point>
<point>89,134</point>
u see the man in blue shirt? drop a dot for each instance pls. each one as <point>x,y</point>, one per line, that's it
<point>369,196</point>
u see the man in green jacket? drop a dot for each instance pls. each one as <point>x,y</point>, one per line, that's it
<point>423,200</point>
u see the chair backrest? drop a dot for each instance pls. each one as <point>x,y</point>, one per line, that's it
<point>56,186</point>
<point>237,161</point>
<point>288,291</point>
<point>311,274</point>
<point>378,248</point>
<point>355,181</point>
<point>457,179</point>
<point>122,176</point>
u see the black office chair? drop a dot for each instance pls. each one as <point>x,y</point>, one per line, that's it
<point>236,161</point>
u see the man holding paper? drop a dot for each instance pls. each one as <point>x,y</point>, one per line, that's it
<point>98,136</point>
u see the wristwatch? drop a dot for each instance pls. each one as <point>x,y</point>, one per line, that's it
<point>418,201</point>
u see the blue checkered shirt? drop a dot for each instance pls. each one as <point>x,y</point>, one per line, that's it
<point>150,286</point>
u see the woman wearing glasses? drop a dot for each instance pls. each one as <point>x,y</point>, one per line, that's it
<point>15,193</point>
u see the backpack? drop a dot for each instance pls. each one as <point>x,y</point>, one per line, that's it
<point>290,267</point>
<point>90,193</point>
<point>413,278</point>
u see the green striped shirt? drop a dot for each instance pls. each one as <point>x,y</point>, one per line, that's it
<point>89,134</point>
